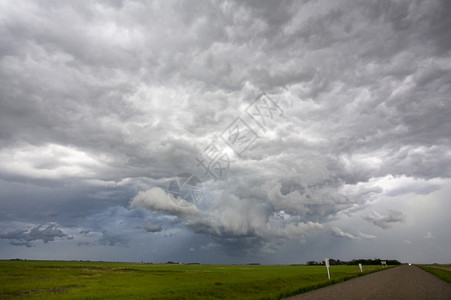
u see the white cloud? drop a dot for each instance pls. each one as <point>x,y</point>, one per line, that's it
<point>337,232</point>
<point>367,236</point>
<point>157,199</point>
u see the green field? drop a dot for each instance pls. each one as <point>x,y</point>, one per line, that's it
<point>107,280</point>
<point>441,271</point>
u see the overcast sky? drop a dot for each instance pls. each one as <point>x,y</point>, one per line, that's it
<point>225,132</point>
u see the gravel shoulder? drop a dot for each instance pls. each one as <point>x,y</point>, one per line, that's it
<point>405,282</point>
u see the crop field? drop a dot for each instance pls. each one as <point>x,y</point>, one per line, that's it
<point>108,280</point>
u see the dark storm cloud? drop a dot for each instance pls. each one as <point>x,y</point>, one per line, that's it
<point>149,227</point>
<point>380,91</point>
<point>45,233</point>
<point>110,239</point>
<point>104,103</point>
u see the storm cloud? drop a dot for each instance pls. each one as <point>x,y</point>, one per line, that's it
<point>25,237</point>
<point>301,121</point>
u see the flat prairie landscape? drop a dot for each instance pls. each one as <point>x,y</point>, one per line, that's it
<point>109,280</point>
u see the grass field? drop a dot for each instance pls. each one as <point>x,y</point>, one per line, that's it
<point>107,280</point>
<point>441,271</point>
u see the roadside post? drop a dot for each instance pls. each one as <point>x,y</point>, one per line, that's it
<point>360,267</point>
<point>326,261</point>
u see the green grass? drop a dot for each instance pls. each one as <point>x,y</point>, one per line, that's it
<point>441,271</point>
<point>107,280</point>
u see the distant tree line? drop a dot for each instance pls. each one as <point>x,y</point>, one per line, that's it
<point>337,262</point>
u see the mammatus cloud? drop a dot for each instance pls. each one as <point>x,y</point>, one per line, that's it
<point>26,237</point>
<point>385,221</point>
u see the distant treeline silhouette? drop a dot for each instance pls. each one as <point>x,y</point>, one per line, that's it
<point>336,262</point>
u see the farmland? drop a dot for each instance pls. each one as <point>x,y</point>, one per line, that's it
<point>109,280</point>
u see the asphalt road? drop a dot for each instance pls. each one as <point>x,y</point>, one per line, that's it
<point>405,282</point>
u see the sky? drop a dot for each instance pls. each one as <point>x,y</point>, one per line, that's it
<point>225,132</point>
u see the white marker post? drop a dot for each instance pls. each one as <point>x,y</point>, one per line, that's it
<point>360,267</point>
<point>326,260</point>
